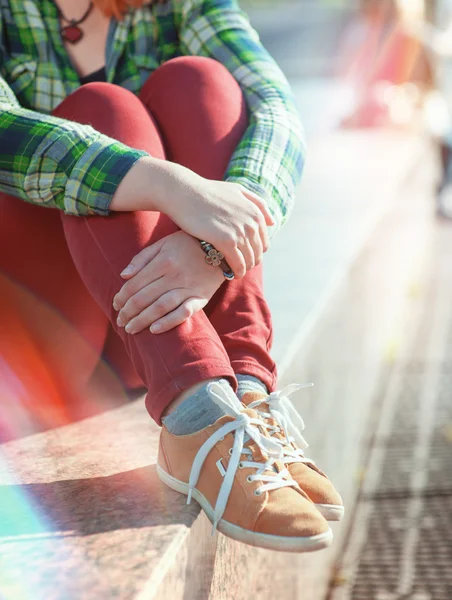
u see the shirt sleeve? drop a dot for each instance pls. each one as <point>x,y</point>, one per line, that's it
<point>57,163</point>
<point>269,159</point>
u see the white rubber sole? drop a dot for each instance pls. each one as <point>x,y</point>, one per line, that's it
<point>331,512</point>
<point>252,538</point>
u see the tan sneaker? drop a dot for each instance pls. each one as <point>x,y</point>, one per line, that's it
<point>284,425</point>
<point>233,470</point>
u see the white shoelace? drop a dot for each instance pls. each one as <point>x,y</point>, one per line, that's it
<point>290,422</point>
<point>241,425</point>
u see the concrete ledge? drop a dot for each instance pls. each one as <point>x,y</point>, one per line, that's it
<point>82,513</point>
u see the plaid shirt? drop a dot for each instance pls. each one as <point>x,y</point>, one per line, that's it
<point>57,163</point>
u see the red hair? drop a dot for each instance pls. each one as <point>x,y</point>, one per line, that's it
<point>116,8</point>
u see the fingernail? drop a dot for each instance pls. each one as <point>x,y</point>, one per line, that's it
<point>119,323</point>
<point>129,329</point>
<point>127,271</point>
<point>155,328</point>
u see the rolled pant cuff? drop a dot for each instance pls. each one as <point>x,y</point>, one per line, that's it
<point>268,378</point>
<point>158,402</point>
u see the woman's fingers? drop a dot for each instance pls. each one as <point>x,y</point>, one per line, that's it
<point>168,311</point>
<point>151,272</point>
<point>257,242</point>
<point>235,260</point>
<point>139,261</point>
<point>141,300</point>
<point>264,216</point>
<point>263,232</point>
<point>249,252</point>
<point>178,316</point>
<point>262,206</point>
<point>158,309</point>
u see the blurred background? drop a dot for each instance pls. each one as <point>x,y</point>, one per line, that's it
<point>372,231</point>
<point>372,61</point>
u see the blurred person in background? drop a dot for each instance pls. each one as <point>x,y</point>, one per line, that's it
<point>440,39</point>
<point>147,150</point>
<point>389,69</point>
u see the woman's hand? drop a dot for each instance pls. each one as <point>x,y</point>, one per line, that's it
<point>167,283</point>
<point>231,218</point>
<point>225,214</point>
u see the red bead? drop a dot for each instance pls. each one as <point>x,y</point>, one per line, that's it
<point>72,34</point>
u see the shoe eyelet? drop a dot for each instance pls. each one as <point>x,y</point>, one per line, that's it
<point>258,492</point>
<point>249,480</point>
<point>241,465</point>
<point>230,451</point>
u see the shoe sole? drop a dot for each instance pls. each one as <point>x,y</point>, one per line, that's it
<point>331,512</point>
<point>252,538</point>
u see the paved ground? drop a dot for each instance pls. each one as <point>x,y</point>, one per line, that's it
<point>399,546</point>
<point>400,543</point>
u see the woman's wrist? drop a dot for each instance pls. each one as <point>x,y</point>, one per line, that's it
<point>149,185</point>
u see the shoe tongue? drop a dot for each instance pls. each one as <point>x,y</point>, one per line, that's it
<point>249,397</point>
<point>224,397</point>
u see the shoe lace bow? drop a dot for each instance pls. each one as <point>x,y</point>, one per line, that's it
<point>289,421</point>
<point>245,428</point>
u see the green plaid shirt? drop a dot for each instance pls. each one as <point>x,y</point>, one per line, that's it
<point>57,163</point>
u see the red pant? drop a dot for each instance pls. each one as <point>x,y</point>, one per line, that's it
<point>190,111</point>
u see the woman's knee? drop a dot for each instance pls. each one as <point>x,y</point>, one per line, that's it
<point>202,130</point>
<point>115,112</point>
<point>194,67</point>
<point>197,77</point>
<point>96,97</point>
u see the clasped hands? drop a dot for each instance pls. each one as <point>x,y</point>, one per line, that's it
<point>170,280</point>
<point>166,284</point>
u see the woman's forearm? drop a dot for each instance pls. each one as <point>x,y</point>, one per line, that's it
<point>228,216</point>
<point>135,192</point>
<point>57,158</point>
<point>152,184</point>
